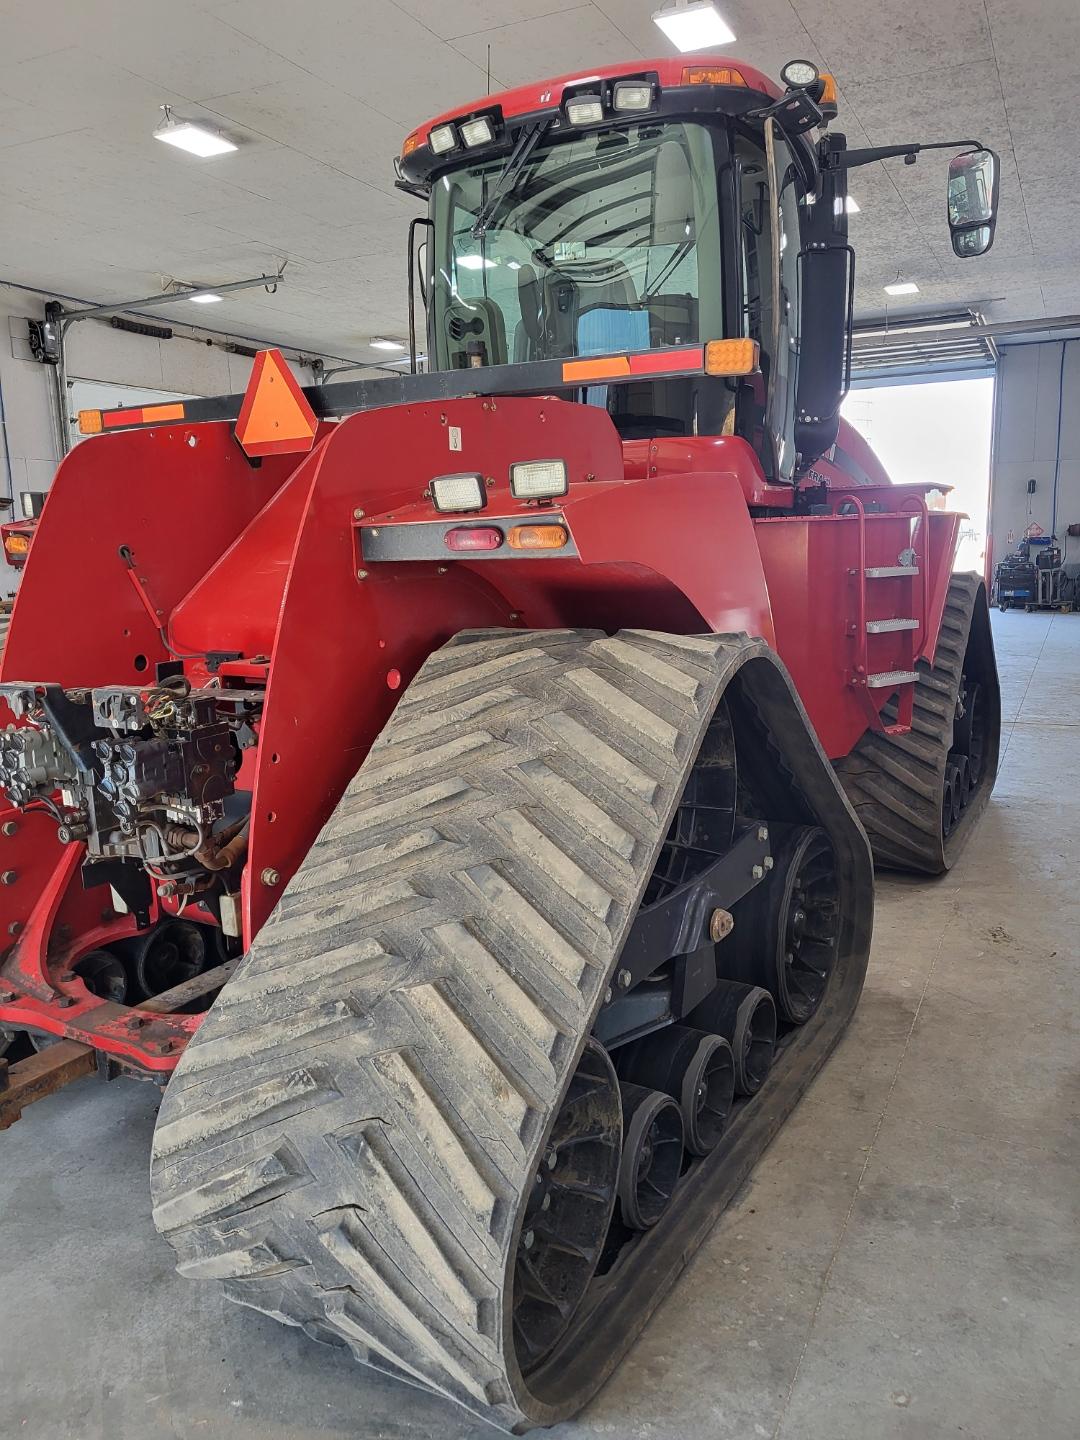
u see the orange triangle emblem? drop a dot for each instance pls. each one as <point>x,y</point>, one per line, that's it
<point>275,418</point>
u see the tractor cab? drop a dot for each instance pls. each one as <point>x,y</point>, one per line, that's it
<point>650,208</point>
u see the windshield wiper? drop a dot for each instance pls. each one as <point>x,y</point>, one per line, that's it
<point>507,178</point>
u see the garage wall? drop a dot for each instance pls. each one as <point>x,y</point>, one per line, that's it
<point>1031,382</point>
<point>95,351</point>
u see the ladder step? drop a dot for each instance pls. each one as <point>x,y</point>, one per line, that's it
<point>886,627</point>
<point>888,572</point>
<point>891,678</point>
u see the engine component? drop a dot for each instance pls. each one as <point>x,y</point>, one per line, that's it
<point>34,764</point>
<point>137,773</point>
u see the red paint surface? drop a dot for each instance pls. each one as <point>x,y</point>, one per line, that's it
<point>268,562</point>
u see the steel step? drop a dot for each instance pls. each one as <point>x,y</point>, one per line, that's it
<point>891,678</point>
<point>889,572</point>
<point>886,627</point>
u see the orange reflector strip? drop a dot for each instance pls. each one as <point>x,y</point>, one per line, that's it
<point>711,75</point>
<point>158,414</point>
<point>732,357</point>
<point>275,418</point>
<point>412,142</point>
<point>89,422</point>
<point>16,544</point>
<point>537,537</point>
<point>828,94</point>
<point>610,367</point>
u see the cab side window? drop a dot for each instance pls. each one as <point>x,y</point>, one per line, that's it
<point>770,298</point>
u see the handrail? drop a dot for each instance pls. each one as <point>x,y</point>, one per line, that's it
<point>918,502</point>
<point>838,501</point>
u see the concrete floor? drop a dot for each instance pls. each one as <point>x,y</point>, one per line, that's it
<point>905,1261</point>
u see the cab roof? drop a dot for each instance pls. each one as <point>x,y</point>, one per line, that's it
<point>670,72</point>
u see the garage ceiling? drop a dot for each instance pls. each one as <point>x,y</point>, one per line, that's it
<point>322,95</point>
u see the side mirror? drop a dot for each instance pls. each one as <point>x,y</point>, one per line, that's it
<point>973,201</point>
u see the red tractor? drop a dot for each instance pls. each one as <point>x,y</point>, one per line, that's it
<point>529,726</point>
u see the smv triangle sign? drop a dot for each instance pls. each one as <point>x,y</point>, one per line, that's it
<point>275,418</point>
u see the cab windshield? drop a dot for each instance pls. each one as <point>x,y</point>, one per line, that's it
<point>607,241</point>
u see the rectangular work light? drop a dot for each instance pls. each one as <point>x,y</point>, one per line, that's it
<point>458,492</point>
<point>585,110</point>
<point>538,479</point>
<point>442,139</point>
<point>477,132</point>
<point>632,95</point>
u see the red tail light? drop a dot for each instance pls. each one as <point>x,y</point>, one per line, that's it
<point>474,537</point>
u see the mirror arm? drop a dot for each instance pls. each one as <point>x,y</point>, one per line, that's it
<point>852,159</point>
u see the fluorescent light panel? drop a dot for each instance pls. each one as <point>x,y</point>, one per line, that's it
<point>206,298</point>
<point>197,140</point>
<point>381,343</point>
<point>853,206</point>
<point>695,26</point>
<point>902,287</point>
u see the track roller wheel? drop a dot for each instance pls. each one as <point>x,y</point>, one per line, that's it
<point>745,1016</point>
<point>694,1068</point>
<point>103,974</point>
<point>786,930</point>
<point>964,768</point>
<point>569,1209</point>
<point>652,1155</point>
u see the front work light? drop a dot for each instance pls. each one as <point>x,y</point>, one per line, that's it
<point>585,110</point>
<point>538,479</point>
<point>798,74</point>
<point>632,95</point>
<point>458,492</point>
<point>442,139</point>
<point>478,132</point>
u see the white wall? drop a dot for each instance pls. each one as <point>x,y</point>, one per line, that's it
<point>95,351</point>
<point>1026,442</point>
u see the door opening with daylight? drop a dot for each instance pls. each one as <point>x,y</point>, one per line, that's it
<point>938,433</point>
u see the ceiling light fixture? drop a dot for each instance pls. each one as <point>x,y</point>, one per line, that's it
<point>694,25</point>
<point>902,287</point>
<point>196,139</point>
<point>206,297</point>
<point>380,342</point>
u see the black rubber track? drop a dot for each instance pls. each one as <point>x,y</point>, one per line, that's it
<point>347,1140</point>
<point>895,782</point>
